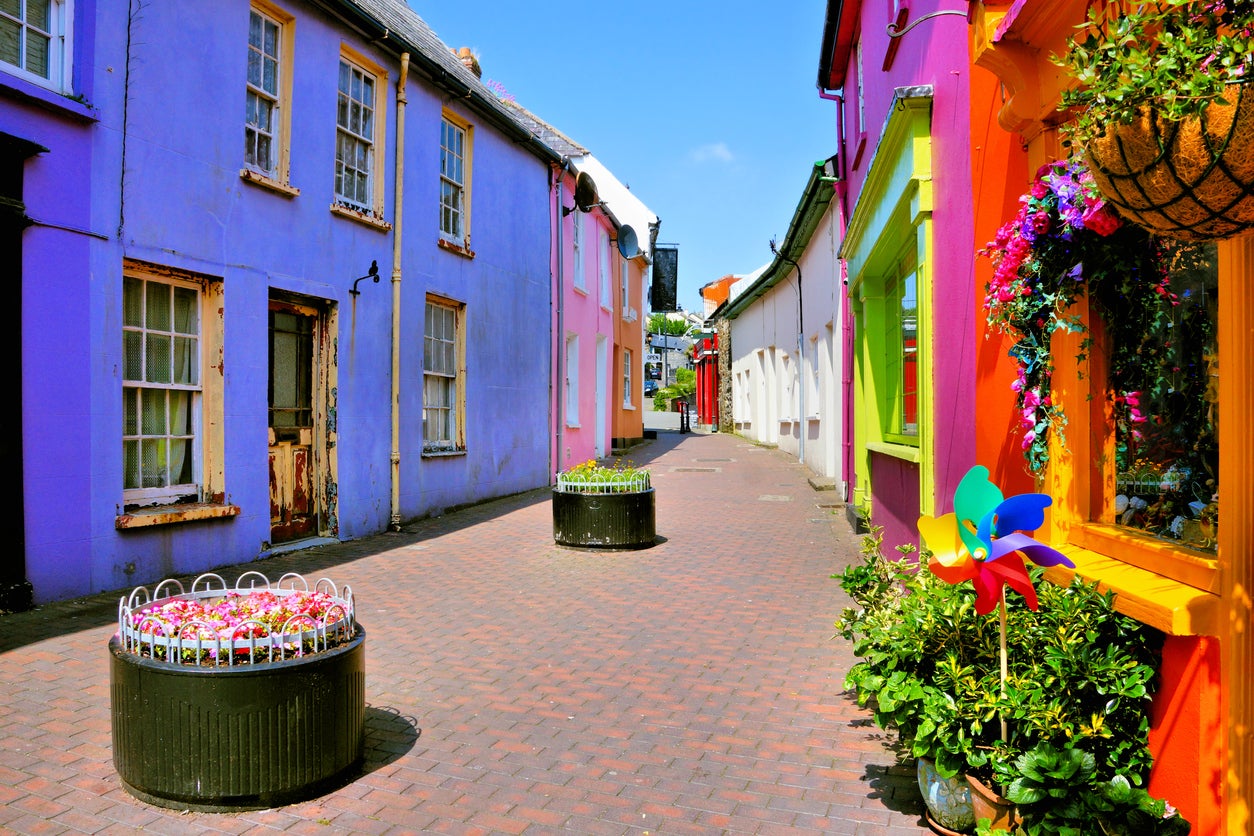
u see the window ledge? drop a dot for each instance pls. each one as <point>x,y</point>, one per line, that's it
<point>580,289</point>
<point>16,87</point>
<point>1173,607</point>
<point>455,248</point>
<point>442,454</point>
<point>174,514</point>
<point>258,179</point>
<point>630,406</point>
<point>897,451</point>
<point>362,217</point>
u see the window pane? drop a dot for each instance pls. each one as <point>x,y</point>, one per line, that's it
<point>132,302</point>
<point>254,68</point>
<point>909,352</point>
<point>180,413</point>
<point>1167,445</point>
<point>157,350</point>
<point>152,412</point>
<point>130,412</point>
<point>157,306</point>
<point>180,461</point>
<point>185,361</point>
<point>37,53</point>
<point>254,29</point>
<point>132,356</point>
<point>185,313</point>
<point>153,463</point>
<point>270,77</point>
<point>130,464</point>
<point>10,42</point>
<point>271,45</point>
<point>37,13</point>
<point>11,7</point>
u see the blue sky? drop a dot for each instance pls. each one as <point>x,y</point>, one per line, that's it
<point>707,110</point>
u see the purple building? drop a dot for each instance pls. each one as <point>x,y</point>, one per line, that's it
<point>285,277</point>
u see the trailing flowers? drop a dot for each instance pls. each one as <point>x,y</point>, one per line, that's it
<point>1066,241</point>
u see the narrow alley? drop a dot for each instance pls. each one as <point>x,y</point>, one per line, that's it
<point>516,687</point>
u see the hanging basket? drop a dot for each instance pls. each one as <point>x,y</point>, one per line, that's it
<point>1192,180</point>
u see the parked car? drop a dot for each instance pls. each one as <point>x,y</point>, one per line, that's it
<point>650,388</point>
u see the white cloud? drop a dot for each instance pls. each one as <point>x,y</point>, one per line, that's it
<point>714,152</point>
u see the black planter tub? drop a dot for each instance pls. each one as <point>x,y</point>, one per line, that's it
<point>604,520</point>
<point>282,724</point>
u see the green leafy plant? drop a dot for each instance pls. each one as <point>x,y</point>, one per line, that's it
<point>1175,56</point>
<point>1077,692</point>
<point>1058,794</point>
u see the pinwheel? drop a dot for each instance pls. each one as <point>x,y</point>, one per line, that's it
<point>982,541</point>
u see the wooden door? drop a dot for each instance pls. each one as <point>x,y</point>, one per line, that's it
<point>294,503</point>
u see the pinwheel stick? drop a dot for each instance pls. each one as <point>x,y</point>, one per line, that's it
<point>1005,667</point>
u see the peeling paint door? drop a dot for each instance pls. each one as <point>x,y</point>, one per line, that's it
<point>294,503</point>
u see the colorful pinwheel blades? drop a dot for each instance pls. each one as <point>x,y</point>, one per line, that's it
<point>983,540</point>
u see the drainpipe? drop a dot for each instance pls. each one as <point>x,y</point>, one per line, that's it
<point>398,205</point>
<point>559,350</point>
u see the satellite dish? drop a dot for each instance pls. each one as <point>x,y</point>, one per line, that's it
<point>585,192</point>
<point>627,242</point>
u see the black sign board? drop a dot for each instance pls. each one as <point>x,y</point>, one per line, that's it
<point>665,278</point>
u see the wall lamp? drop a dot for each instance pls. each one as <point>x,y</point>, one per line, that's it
<point>372,274</point>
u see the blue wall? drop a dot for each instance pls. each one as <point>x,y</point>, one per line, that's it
<point>186,207</point>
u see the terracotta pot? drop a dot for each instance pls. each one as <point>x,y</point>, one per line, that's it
<point>987,804</point>
<point>1192,180</point>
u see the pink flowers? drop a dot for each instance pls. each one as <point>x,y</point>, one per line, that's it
<point>224,616</point>
<point>1099,217</point>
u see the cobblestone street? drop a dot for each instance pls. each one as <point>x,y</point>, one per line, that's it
<point>517,687</point>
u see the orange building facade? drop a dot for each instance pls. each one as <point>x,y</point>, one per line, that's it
<point>1203,716</point>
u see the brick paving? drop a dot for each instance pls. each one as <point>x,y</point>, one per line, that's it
<point>517,687</point>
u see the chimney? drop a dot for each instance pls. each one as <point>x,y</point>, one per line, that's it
<point>469,60</point>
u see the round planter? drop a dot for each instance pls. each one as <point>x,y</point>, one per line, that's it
<point>1192,180</point>
<point>604,520</point>
<point>948,800</point>
<point>987,804</point>
<point>246,737</point>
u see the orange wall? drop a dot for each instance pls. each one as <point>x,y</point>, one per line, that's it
<point>1187,734</point>
<point>1000,173</point>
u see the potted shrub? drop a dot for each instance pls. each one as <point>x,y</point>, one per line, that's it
<point>1064,725</point>
<point>236,698</point>
<point>604,507</point>
<point>1163,113</point>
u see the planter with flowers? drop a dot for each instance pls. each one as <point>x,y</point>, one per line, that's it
<point>1163,113</point>
<point>236,698</point>
<point>604,507</point>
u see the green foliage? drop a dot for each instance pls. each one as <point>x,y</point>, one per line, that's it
<point>592,477</point>
<point>660,323</point>
<point>685,377</point>
<point>1175,56</point>
<point>1078,688</point>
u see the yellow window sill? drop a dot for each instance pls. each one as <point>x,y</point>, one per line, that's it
<point>174,514</point>
<point>897,451</point>
<point>1168,605</point>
